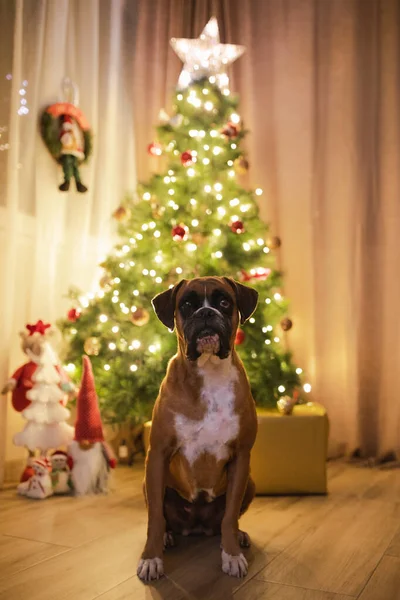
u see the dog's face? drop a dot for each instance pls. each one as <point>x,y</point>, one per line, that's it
<point>206,312</point>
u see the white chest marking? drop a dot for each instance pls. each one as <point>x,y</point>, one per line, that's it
<point>220,423</point>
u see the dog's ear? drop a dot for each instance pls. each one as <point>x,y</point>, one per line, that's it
<point>164,305</point>
<point>246,298</point>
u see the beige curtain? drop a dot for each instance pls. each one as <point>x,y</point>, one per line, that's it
<point>319,87</point>
<point>50,240</point>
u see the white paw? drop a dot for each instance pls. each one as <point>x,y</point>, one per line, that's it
<point>150,568</point>
<point>236,566</point>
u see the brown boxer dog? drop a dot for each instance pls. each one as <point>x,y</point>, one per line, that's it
<point>204,424</point>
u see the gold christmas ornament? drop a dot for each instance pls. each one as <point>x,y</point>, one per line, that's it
<point>92,346</point>
<point>121,214</point>
<point>105,281</point>
<point>140,317</point>
<point>241,165</point>
<point>286,324</point>
<point>157,210</point>
<point>274,242</point>
<point>285,405</point>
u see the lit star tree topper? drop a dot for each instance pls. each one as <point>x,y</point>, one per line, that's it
<point>205,56</point>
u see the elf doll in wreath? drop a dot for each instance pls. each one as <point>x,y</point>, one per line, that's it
<point>68,138</point>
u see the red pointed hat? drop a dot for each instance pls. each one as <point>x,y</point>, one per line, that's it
<point>88,424</point>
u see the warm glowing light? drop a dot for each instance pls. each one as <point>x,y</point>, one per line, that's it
<point>213,133</point>
<point>112,346</point>
<point>206,161</point>
<point>244,208</point>
<point>230,163</point>
<point>103,318</point>
<point>107,367</point>
<point>157,234</point>
<point>218,187</point>
<point>153,273</point>
<point>217,232</point>
<point>117,280</point>
<point>152,224</point>
<point>218,254</point>
<point>158,279</point>
<point>208,105</point>
<point>235,118</point>
<point>139,236</point>
<point>158,258</point>
<point>122,265</point>
<point>307,388</point>
<point>191,172</point>
<point>193,132</point>
<point>206,147</point>
<point>191,247</point>
<point>218,196</point>
<point>234,202</point>
<point>267,300</point>
<point>167,179</point>
<point>212,79</point>
<point>193,202</point>
<point>269,328</point>
<point>246,247</point>
<point>260,242</point>
<point>135,292</point>
<point>115,329</point>
<point>171,192</point>
<point>114,299</point>
<point>145,227</point>
<point>125,248</point>
<point>231,173</point>
<point>205,91</point>
<point>258,191</point>
<point>170,172</point>
<point>178,270</point>
<point>207,188</point>
<point>281,389</point>
<point>74,331</point>
<point>264,330</point>
<point>216,150</point>
<point>252,320</point>
<point>267,342</point>
<point>133,368</point>
<point>299,371</point>
<point>221,211</point>
<point>179,97</point>
<point>266,249</point>
<point>152,348</point>
<point>277,296</point>
<point>131,263</point>
<point>146,196</point>
<point>70,367</point>
<point>195,222</point>
<point>145,271</point>
<point>136,344</point>
<point>233,146</point>
<point>276,339</point>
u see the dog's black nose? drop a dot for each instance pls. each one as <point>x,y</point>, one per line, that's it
<point>204,313</point>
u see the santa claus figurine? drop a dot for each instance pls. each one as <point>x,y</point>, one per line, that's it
<point>72,152</point>
<point>39,485</point>
<point>92,458</point>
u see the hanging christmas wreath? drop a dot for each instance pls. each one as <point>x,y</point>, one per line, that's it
<point>68,138</point>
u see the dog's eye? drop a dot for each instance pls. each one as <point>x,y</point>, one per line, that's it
<point>224,303</point>
<point>187,304</point>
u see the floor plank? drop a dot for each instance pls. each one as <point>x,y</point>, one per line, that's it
<point>394,546</point>
<point>339,553</point>
<point>385,582</point>
<point>262,590</point>
<point>18,554</point>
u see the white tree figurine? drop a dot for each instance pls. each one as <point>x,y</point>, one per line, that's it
<point>46,427</point>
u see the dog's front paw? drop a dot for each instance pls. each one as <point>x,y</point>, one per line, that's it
<point>150,569</point>
<point>236,566</point>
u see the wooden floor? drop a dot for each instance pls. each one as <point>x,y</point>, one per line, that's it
<point>343,546</point>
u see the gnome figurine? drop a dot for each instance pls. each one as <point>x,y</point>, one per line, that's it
<point>92,458</point>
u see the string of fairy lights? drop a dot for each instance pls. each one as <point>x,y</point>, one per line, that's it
<point>234,206</point>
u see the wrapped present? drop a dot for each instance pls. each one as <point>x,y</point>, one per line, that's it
<point>289,456</point>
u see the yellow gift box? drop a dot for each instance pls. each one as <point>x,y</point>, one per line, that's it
<point>290,452</point>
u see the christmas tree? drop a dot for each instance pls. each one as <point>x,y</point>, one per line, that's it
<point>194,219</point>
<point>46,416</point>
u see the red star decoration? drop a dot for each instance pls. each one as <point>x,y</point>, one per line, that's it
<point>39,327</point>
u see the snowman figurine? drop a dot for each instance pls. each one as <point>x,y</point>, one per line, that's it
<point>39,486</point>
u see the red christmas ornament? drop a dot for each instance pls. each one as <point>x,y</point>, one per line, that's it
<point>240,337</point>
<point>187,158</point>
<point>237,226</point>
<point>260,274</point>
<point>154,149</point>
<point>73,314</point>
<point>39,327</point>
<point>180,232</point>
<point>230,130</point>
